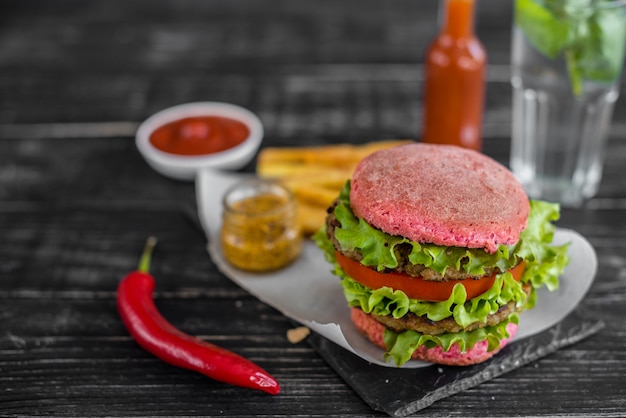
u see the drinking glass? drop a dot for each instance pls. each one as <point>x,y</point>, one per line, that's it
<point>567,59</point>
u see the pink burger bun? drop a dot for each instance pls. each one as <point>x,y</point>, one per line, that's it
<point>440,194</point>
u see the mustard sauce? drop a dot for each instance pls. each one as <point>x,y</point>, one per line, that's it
<point>259,229</point>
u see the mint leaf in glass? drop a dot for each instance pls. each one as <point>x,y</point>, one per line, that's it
<point>589,34</point>
<point>545,32</point>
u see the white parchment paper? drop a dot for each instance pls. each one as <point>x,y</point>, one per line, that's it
<point>308,293</point>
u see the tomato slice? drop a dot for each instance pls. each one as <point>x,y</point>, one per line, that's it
<point>417,287</point>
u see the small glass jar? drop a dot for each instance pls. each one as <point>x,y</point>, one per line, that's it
<point>259,226</point>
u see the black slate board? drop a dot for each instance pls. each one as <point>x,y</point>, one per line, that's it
<point>400,392</point>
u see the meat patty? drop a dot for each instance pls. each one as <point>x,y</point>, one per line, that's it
<point>426,326</point>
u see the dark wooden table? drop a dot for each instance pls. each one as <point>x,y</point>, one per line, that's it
<point>77,201</point>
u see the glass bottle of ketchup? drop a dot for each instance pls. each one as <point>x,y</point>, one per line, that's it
<point>454,86</point>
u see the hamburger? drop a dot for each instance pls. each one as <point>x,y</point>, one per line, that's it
<point>439,250</point>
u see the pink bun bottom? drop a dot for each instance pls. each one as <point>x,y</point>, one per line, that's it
<point>374,330</point>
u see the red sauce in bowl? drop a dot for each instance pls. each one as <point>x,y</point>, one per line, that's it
<point>199,135</point>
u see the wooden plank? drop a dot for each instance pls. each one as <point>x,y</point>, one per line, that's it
<point>77,201</point>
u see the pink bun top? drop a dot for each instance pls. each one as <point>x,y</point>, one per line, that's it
<point>440,194</point>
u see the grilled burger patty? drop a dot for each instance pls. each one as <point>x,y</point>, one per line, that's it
<point>422,324</point>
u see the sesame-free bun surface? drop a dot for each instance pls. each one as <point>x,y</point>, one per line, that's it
<point>440,194</point>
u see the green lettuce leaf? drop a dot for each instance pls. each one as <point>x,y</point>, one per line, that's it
<point>544,262</point>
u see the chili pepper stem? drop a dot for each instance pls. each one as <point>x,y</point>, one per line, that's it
<point>146,256</point>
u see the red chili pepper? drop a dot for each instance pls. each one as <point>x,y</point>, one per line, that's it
<point>156,335</point>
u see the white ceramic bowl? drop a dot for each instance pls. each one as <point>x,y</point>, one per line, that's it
<point>184,167</point>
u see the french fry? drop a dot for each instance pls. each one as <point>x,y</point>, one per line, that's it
<point>310,218</point>
<point>310,171</point>
<point>332,181</point>
<point>315,175</point>
<point>333,155</point>
<point>327,155</point>
<point>317,196</point>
